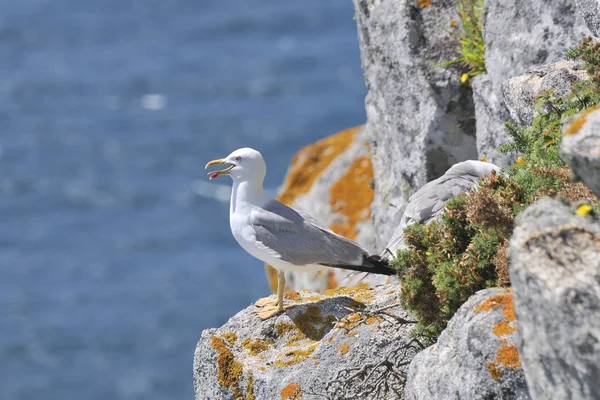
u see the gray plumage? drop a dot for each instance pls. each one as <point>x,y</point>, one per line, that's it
<point>301,240</point>
<point>427,203</point>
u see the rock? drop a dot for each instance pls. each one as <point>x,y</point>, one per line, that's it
<point>519,92</point>
<point>340,345</point>
<point>419,118</point>
<point>331,180</point>
<point>590,10</point>
<point>518,35</point>
<point>555,273</point>
<point>581,147</point>
<point>475,357</point>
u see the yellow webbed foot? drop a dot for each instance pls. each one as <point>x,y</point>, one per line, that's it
<point>266,301</point>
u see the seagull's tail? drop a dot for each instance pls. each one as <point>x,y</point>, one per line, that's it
<point>372,264</point>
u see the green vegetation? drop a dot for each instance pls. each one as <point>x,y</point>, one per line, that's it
<point>447,261</point>
<point>469,37</point>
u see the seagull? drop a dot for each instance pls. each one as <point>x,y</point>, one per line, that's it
<point>427,204</point>
<point>285,238</point>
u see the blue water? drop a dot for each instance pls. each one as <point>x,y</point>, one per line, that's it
<point>115,251</point>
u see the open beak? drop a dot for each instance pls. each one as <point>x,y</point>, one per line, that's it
<point>216,174</point>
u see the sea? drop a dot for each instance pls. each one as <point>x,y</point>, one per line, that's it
<point>115,249</point>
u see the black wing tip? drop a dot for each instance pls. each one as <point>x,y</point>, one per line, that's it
<point>379,265</point>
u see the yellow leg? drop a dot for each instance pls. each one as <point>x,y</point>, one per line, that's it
<point>270,307</point>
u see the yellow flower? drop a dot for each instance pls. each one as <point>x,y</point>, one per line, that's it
<point>584,210</point>
<point>464,78</point>
<point>483,158</point>
<point>428,253</point>
<point>520,161</point>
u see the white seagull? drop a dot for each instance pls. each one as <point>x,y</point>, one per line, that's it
<point>285,238</point>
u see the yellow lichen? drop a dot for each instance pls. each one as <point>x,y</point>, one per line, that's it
<point>424,3</point>
<point>257,346</point>
<point>306,166</point>
<point>229,371</point>
<point>579,121</point>
<point>250,387</point>
<point>293,295</point>
<point>361,292</point>
<point>343,348</point>
<point>295,356</point>
<point>231,337</point>
<point>352,196</point>
<point>292,391</point>
<point>281,328</point>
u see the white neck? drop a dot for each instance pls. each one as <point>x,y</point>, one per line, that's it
<point>247,192</point>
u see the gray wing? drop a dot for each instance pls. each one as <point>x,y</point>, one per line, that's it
<point>427,204</point>
<point>299,239</point>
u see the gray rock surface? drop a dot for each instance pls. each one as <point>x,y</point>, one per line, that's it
<point>518,35</point>
<point>419,118</point>
<point>519,92</point>
<point>555,273</point>
<point>475,357</point>
<point>581,147</point>
<point>340,345</point>
<point>590,10</point>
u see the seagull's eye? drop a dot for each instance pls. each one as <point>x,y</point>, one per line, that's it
<point>238,158</point>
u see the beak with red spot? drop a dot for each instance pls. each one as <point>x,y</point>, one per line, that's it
<point>216,174</point>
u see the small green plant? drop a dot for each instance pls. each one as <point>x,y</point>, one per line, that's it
<point>469,37</point>
<point>447,261</point>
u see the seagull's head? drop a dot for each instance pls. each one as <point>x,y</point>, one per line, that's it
<point>244,164</point>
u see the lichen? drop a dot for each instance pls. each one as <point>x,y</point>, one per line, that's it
<point>295,356</point>
<point>293,295</point>
<point>257,346</point>
<point>501,300</point>
<point>503,328</point>
<point>231,337</point>
<point>331,281</point>
<point>494,370</point>
<point>351,196</point>
<point>229,371</point>
<point>292,391</point>
<point>362,292</point>
<point>424,3</point>
<point>281,328</point>
<point>508,355</point>
<point>250,387</point>
<point>312,324</point>
<point>343,348</point>
<point>576,125</point>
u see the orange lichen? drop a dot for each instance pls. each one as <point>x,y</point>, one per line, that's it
<point>343,348</point>
<point>504,328</point>
<point>306,166</point>
<point>494,370</point>
<point>373,320</point>
<point>353,333</point>
<point>579,121</point>
<point>508,355</point>
<point>293,295</point>
<point>229,371</point>
<point>317,362</point>
<point>257,346</point>
<point>501,300</point>
<point>292,391</point>
<point>231,337</point>
<point>331,281</point>
<point>424,3</point>
<point>352,196</point>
